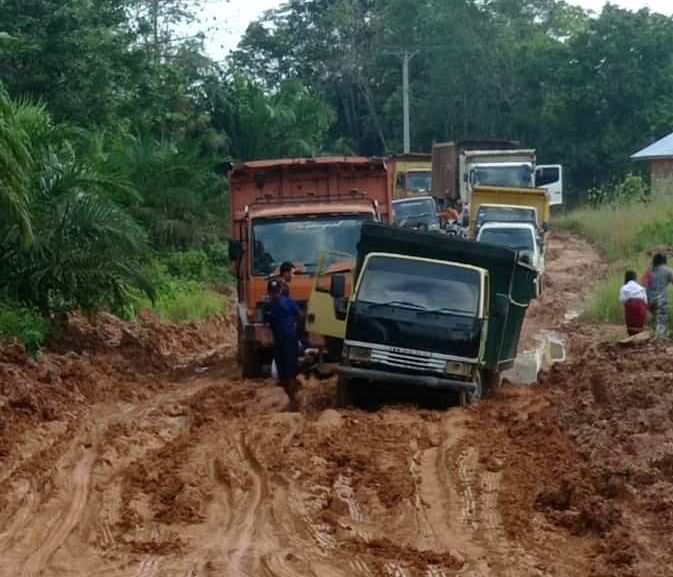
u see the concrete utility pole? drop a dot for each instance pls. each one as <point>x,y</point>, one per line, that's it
<point>405,56</point>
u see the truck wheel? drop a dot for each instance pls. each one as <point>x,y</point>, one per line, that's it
<point>491,380</point>
<point>474,396</point>
<point>345,392</point>
<point>249,359</point>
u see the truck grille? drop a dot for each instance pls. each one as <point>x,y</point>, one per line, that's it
<point>405,360</point>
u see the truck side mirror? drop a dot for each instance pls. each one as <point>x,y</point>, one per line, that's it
<point>235,250</point>
<point>466,219</point>
<point>500,306</point>
<point>337,286</point>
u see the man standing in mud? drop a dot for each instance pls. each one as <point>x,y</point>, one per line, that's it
<point>658,279</point>
<point>284,315</point>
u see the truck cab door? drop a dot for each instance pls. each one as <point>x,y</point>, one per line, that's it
<point>321,316</point>
<point>550,177</point>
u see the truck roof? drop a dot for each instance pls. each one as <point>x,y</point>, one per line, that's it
<point>423,156</point>
<point>342,208</point>
<point>507,225</point>
<point>289,163</point>
<point>413,199</point>
<point>517,206</point>
<point>507,152</point>
<point>505,164</point>
<point>380,238</point>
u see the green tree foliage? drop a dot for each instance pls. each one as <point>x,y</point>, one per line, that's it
<point>77,56</point>
<point>288,121</point>
<point>181,201</point>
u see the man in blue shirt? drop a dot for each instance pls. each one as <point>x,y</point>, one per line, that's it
<point>283,315</point>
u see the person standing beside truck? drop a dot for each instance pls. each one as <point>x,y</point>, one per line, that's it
<point>286,274</point>
<point>286,271</point>
<point>657,280</point>
<point>283,316</point>
<point>634,298</point>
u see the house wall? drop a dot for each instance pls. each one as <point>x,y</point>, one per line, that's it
<point>662,176</point>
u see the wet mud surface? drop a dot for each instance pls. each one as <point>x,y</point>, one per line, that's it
<point>138,451</point>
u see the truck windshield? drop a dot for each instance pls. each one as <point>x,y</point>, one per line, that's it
<point>419,181</point>
<point>513,176</point>
<point>414,208</point>
<point>429,286</point>
<point>300,240</point>
<point>514,238</point>
<point>505,214</point>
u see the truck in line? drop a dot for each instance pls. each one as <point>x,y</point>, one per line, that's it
<point>429,310</point>
<point>418,212</point>
<point>291,210</point>
<point>521,237</point>
<point>410,175</point>
<point>494,203</point>
<point>458,167</point>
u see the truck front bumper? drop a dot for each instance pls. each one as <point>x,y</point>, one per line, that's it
<point>406,379</point>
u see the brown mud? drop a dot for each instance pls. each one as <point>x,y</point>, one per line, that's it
<point>138,451</point>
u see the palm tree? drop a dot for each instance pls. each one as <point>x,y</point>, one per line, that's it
<point>177,189</point>
<point>15,168</point>
<point>87,252</point>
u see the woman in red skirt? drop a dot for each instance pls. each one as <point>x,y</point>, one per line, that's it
<point>634,298</point>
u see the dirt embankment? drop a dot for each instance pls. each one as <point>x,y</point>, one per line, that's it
<point>143,454</point>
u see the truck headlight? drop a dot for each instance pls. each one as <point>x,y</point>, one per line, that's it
<point>434,226</point>
<point>358,354</point>
<point>458,369</point>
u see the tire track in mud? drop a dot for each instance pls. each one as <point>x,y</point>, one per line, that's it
<point>76,488</point>
<point>81,478</point>
<point>248,525</point>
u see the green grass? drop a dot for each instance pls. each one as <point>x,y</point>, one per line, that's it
<point>625,233</point>
<point>624,230</point>
<point>23,324</point>
<point>187,302</point>
<point>184,288</point>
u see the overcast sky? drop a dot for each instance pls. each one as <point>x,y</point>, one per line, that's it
<point>226,20</point>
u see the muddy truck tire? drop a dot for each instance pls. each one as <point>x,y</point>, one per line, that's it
<point>345,392</point>
<point>474,396</point>
<point>357,393</point>
<point>249,359</point>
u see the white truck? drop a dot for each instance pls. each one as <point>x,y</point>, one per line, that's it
<point>457,167</point>
<point>521,237</point>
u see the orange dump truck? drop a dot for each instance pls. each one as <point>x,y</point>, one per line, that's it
<point>293,210</point>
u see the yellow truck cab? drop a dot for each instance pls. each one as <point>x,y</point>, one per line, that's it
<point>410,175</point>
<point>530,205</point>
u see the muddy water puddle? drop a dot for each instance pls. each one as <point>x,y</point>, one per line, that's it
<point>549,348</point>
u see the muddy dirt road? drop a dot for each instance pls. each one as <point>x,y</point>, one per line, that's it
<point>142,454</point>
